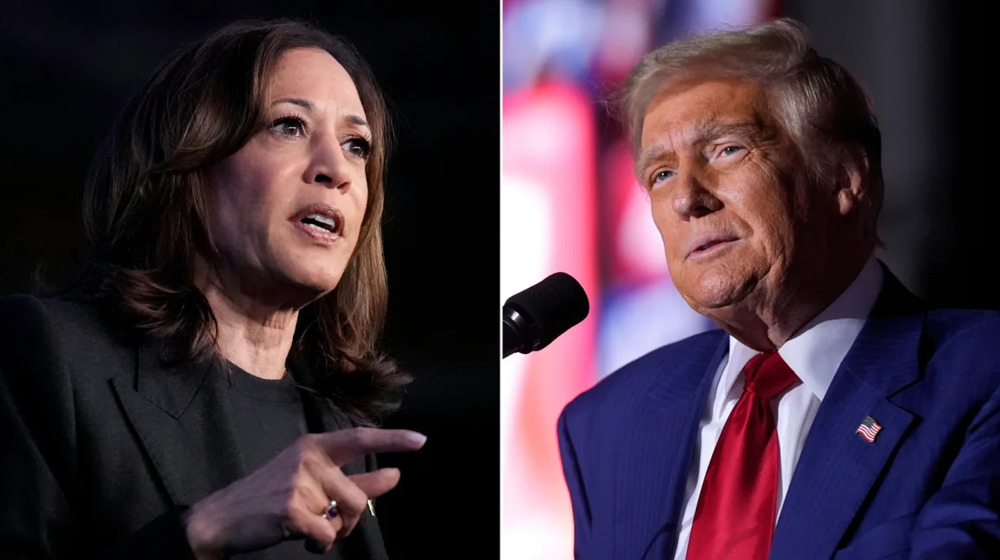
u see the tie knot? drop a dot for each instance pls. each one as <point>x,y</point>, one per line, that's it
<point>767,375</point>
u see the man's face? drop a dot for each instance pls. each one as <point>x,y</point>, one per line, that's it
<point>741,226</point>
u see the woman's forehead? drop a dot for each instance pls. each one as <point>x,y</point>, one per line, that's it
<point>313,74</point>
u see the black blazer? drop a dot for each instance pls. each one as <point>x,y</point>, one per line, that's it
<point>102,445</point>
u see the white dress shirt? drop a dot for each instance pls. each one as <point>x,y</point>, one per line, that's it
<point>814,355</point>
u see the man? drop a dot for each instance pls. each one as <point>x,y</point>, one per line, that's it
<point>869,427</point>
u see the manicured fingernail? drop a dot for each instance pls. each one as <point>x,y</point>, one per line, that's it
<point>416,438</point>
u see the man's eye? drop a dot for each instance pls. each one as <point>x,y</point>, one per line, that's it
<point>730,150</point>
<point>661,176</point>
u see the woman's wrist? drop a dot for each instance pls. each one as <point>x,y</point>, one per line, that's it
<point>199,536</point>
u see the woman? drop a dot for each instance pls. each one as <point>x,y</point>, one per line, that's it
<point>211,385</point>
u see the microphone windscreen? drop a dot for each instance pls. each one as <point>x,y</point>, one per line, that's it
<point>553,305</point>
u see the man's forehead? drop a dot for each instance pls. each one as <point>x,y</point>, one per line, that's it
<point>691,111</point>
<point>700,102</point>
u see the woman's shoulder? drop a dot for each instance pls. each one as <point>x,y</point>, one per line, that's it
<point>59,312</point>
<point>28,321</point>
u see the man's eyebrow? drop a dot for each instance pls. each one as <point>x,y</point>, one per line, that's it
<point>646,158</point>
<point>308,106</point>
<point>702,132</point>
<point>744,129</point>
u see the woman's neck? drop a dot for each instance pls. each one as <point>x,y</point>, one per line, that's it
<point>254,335</point>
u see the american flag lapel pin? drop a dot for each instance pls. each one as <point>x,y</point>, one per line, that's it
<point>869,428</point>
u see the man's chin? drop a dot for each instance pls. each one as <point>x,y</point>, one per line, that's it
<point>722,304</point>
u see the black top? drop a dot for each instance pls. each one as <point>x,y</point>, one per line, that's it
<point>267,417</point>
<point>267,413</point>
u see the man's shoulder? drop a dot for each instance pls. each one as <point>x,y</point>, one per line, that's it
<point>968,338</point>
<point>953,322</point>
<point>689,355</point>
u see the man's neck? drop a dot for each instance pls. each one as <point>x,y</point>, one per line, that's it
<point>765,325</point>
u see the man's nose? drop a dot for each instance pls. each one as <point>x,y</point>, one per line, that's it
<point>693,197</point>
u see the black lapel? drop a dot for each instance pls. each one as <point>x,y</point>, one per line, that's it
<point>183,418</point>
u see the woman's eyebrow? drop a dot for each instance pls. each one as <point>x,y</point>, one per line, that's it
<point>356,119</point>
<point>308,106</point>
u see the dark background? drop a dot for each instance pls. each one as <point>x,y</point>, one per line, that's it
<point>69,67</point>
<point>928,65</point>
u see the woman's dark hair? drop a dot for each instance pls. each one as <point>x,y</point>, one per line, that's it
<point>145,208</point>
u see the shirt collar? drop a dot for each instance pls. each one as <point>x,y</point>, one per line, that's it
<point>815,353</point>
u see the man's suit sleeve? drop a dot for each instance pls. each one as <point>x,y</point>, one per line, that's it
<point>577,492</point>
<point>38,452</point>
<point>962,519</point>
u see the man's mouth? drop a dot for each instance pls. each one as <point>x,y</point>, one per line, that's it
<point>708,243</point>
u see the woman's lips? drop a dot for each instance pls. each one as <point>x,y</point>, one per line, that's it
<point>321,222</point>
<point>319,235</point>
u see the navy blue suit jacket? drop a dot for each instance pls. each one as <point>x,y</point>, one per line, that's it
<point>927,487</point>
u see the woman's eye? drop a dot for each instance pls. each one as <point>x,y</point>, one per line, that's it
<point>359,147</point>
<point>289,126</point>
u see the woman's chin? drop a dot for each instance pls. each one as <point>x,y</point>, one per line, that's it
<point>314,285</point>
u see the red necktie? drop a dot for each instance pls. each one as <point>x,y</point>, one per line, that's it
<point>736,509</point>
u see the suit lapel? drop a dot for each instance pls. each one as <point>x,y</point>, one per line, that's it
<point>838,468</point>
<point>652,466</point>
<point>183,419</point>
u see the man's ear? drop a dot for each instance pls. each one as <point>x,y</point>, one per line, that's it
<point>852,181</point>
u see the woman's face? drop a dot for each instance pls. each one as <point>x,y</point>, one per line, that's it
<point>286,209</point>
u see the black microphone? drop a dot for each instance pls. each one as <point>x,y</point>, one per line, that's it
<point>536,316</point>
